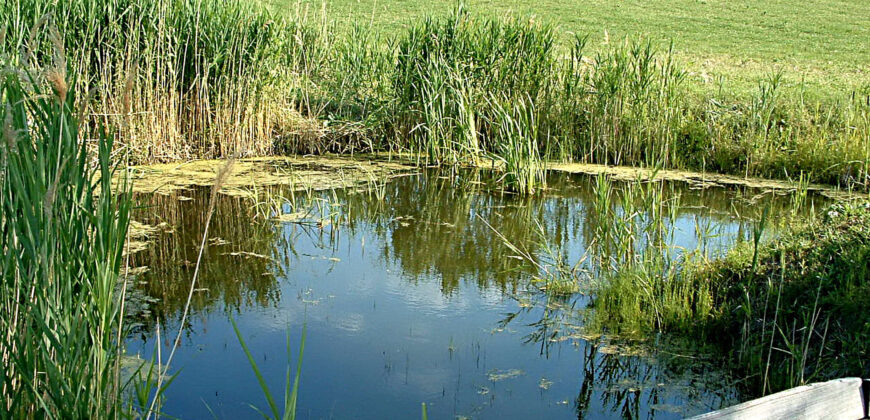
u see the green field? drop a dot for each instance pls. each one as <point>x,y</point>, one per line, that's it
<point>826,45</point>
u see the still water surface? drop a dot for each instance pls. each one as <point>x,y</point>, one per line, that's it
<point>409,297</point>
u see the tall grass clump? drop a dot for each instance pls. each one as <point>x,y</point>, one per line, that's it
<point>464,87</point>
<point>629,103</point>
<point>777,132</point>
<point>516,125</point>
<point>62,233</point>
<point>642,283</point>
<point>202,78</point>
<point>621,106</point>
<point>341,89</point>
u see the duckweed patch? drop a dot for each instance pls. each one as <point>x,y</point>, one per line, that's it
<point>300,173</point>
<point>701,179</point>
<point>501,375</point>
<point>140,235</point>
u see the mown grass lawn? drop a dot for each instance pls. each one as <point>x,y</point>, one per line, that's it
<point>726,44</point>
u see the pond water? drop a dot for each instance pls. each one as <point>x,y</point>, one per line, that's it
<point>409,296</point>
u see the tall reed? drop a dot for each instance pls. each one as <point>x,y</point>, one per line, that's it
<point>447,71</point>
<point>623,103</point>
<point>62,232</point>
<point>206,78</point>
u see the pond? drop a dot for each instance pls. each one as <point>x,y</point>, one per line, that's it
<point>409,294</point>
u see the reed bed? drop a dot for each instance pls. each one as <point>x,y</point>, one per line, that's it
<point>182,79</point>
<point>213,79</point>
<point>628,103</point>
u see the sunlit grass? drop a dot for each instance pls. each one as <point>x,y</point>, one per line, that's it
<point>734,43</point>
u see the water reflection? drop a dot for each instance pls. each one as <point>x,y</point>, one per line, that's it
<point>649,386</point>
<point>621,378</point>
<point>412,280</point>
<point>238,267</point>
